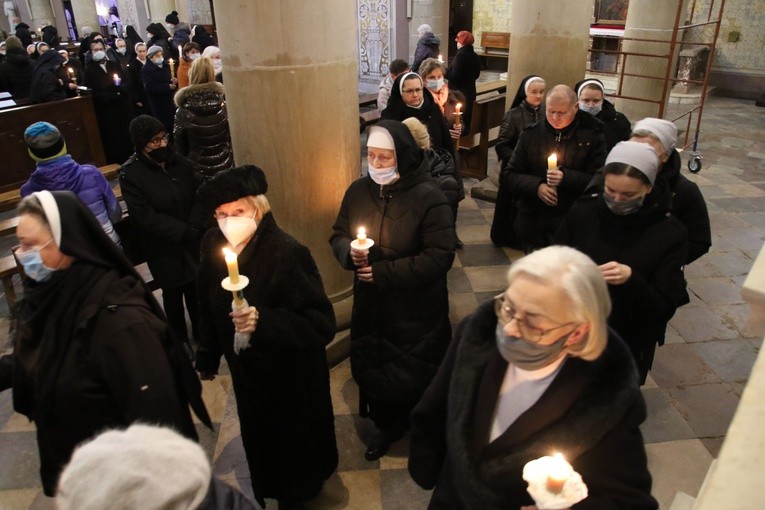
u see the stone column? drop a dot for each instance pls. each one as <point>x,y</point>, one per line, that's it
<point>199,12</point>
<point>647,19</point>
<point>182,8</point>
<point>40,11</point>
<point>290,69</point>
<point>161,8</point>
<point>436,14</point>
<point>549,39</point>
<point>129,14</point>
<point>85,15</point>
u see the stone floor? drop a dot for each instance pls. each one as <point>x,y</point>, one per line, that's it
<point>692,392</point>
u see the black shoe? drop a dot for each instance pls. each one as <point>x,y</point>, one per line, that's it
<point>459,244</point>
<point>380,444</point>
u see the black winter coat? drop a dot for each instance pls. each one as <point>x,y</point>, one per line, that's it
<point>581,152</point>
<point>201,127</point>
<point>50,36</point>
<point>650,241</point>
<point>462,74</point>
<point>591,412</point>
<point>514,121</point>
<point>156,83</point>
<point>427,47</point>
<point>444,172</point>
<point>114,109</point>
<point>16,73</point>
<point>159,201</point>
<point>115,371</point>
<point>161,40</point>
<point>140,100</point>
<point>281,382</point>
<point>400,323</point>
<point>46,84</point>
<point>23,33</point>
<point>616,125</point>
<point>429,114</point>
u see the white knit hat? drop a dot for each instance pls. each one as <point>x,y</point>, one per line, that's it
<point>664,130</point>
<point>144,467</point>
<point>637,155</point>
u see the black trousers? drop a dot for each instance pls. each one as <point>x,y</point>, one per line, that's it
<point>176,318</point>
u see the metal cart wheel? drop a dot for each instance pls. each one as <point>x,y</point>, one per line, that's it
<point>694,164</point>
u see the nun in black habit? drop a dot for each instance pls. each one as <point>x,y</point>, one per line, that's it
<point>92,350</point>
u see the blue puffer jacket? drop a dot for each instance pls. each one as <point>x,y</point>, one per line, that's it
<point>86,181</point>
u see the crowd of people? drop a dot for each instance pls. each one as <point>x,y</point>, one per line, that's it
<point>554,362</point>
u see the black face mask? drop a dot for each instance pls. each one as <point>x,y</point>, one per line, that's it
<point>161,154</point>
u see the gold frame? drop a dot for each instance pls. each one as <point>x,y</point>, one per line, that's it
<point>598,9</point>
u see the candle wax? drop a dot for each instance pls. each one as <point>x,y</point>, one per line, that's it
<point>552,162</point>
<point>361,237</point>
<point>232,265</point>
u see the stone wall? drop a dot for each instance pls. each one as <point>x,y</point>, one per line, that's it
<point>374,41</point>
<point>490,16</point>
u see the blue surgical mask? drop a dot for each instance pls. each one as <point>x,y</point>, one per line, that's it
<point>194,56</point>
<point>384,176</point>
<point>435,85</point>
<point>625,206</point>
<point>99,55</point>
<point>33,264</point>
<point>158,61</point>
<point>527,355</point>
<point>592,110</point>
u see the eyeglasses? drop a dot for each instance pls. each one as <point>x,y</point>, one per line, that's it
<point>412,92</point>
<point>158,141</point>
<point>506,313</point>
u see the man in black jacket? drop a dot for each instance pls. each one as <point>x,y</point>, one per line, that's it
<point>546,188</point>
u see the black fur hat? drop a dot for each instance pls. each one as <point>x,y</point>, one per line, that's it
<point>231,185</point>
<point>143,129</point>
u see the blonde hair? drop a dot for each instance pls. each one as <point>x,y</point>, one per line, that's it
<point>259,203</point>
<point>202,71</point>
<point>581,281</point>
<point>419,132</point>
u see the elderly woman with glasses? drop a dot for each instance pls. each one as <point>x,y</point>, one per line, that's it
<point>536,371</point>
<point>159,187</point>
<point>278,366</point>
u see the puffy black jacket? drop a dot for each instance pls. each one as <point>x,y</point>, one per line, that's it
<point>400,323</point>
<point>616,125</point>
<point>653,243</point>
<point>201,127</point>
<point>514,121</point>
<point>427,47</point>
<point>581,151</point>
<point>16,73</point>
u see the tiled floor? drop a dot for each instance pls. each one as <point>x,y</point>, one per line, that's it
<point>697,378</point>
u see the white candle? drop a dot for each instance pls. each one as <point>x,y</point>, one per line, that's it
<point>72,75</point>
<point>361,236</point>
<point>552,162</point>
<point>232,265</point>
<point>117,79</point>
<point>440,58</point>
<point>558,472</point>
<point>172,68</point>
<point>180,53</point>
<point>458,114</point>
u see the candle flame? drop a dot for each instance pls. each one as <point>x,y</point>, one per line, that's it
<point>559,468</point>
<point>362,231</point>
<point>229,254</point>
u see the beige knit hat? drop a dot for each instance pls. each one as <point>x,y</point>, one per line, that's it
<point>144,467</point>
<point>419,132</point>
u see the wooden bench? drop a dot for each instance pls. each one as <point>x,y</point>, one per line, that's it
<point>494,49</point>
<point>488,111</point>
<point>370,114</point>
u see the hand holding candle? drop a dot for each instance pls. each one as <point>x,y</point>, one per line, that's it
<point>553,483</point>
<point>117,79</point>
<point>244,316</point>
<point>554,174</point>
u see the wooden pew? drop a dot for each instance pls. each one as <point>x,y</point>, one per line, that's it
<point>488,111</point>
<point>494,50</point>
<point>75,118</point>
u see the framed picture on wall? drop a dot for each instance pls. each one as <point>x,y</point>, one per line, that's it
<point>611,11</point>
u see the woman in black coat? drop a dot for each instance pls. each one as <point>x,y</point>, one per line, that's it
<point>135,71</point>
<point>159,37</point>
<point>201,120</point>
<point>277,361</point>
<point>23,33</point>
<point>92,349</point>
<point>200,36</point>
<point>534,372</point>
<point>463,71</point>
<point>159,187</point>
<point>16,72</point>
<point>528,108</point>
<point>616,126</point>
<point>159,87</point>
<point>46,84</point>
<point>400,323</point>
<point>626,228</point>
<point>112,102</point>
<point>408,98</point>
<point>131,39</point>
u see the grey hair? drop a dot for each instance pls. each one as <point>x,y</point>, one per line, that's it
<point>644,133</point>
<point>581,281</point>
<point>31,205</point>
<point>429,65</point>
<point>424,29</point>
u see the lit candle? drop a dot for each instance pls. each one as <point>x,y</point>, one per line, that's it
<point>180,53</point>
<point>458,114</point>
<point>552,162</point>
<point>117,79</point>
<point>558,472</point>
<point>172,68</point>
<point>361,236</point>
<point>72,76</point>
<point>232,265</point>
<point>440,58</point>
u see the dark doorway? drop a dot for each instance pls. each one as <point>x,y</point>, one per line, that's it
<point>460,18</point>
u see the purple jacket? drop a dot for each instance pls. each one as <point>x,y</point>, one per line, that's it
<point>86,181</point>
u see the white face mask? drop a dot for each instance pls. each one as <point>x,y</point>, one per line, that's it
<point>237,229</point>
<point>121,51</point>
<point>169,27</point>
<point>435,85</point>
<point>384,176</point>
<point>99,55</point>
<point>218,64</point>
<point>194,56</point>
